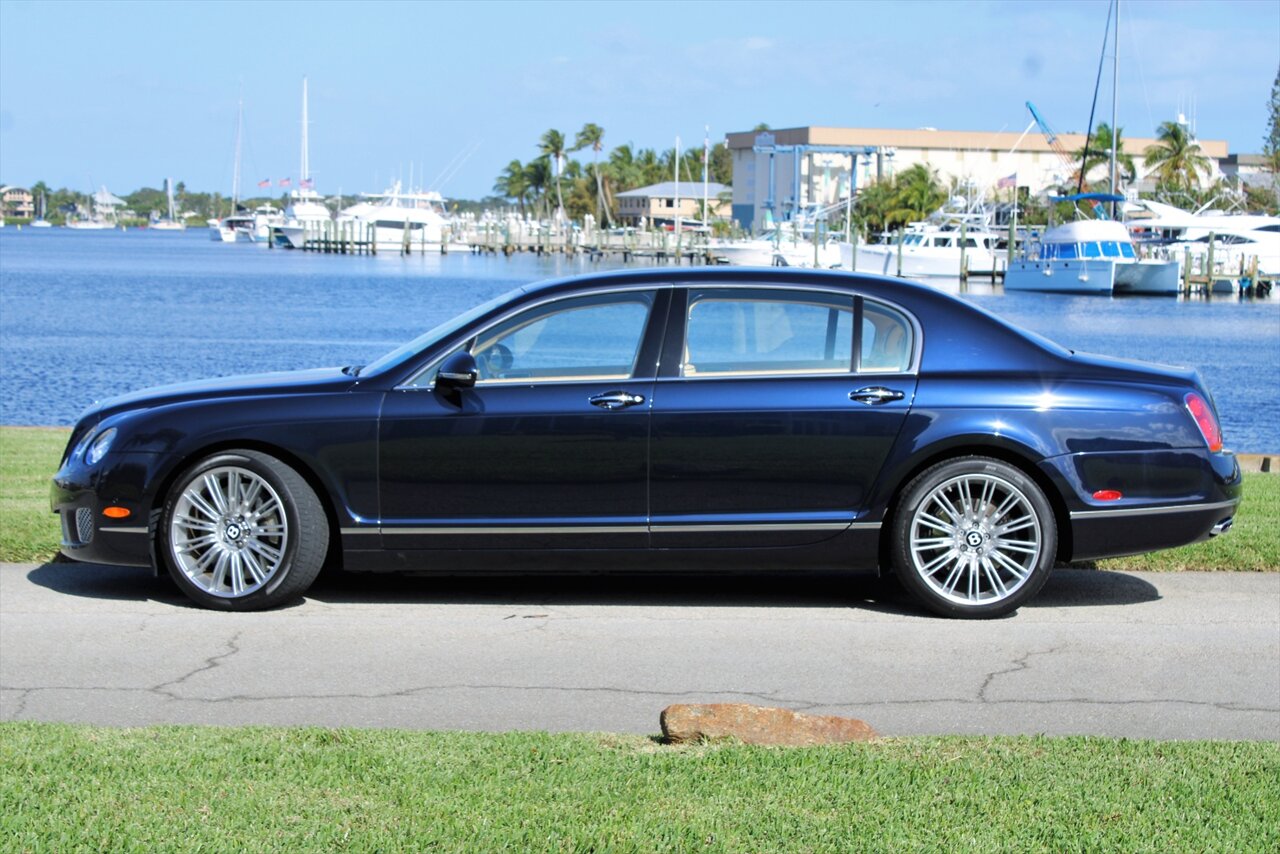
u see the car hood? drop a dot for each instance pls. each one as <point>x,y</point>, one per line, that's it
<point>283,382</point>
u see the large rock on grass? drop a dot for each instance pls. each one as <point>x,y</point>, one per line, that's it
<point>758,725</point>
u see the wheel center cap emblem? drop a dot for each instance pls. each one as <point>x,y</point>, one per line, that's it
<point>233,531</point>
<point>974,539</point>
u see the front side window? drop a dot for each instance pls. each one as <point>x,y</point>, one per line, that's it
<point>752,333</point>
<point>584,338</point>
<point>887,341</point>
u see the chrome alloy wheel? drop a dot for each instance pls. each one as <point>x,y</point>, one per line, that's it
<point>975,539</point>
<point>228,532</point>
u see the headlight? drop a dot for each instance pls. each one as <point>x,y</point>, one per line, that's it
<point>99,446</point>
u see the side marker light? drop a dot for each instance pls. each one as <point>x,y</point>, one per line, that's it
<point>116,512</point>
<point>1108,495</point>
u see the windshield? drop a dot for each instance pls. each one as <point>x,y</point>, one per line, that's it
<point>442,331</point>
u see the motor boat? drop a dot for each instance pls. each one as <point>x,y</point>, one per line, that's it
<point>1095,256</point>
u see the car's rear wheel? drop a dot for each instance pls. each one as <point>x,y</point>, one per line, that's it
<point>973,537</point>
<point>242,531</point>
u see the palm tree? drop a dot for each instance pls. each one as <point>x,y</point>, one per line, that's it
<point>537,174</point>
<point>513,183</point>
<point>1176,157</point>
<point>917,194</point>
<point>1099,148</point>
<point>593,135</point>
<point>552,147</point>
<point>623,167</point>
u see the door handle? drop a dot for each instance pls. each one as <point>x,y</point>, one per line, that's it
<point>616,400</point>
<point>875,395</point>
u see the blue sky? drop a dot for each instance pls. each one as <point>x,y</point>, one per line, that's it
<point>125,94</point>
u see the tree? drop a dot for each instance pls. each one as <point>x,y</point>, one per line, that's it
<point>513,184</point>
<point>916,194</point>
<point>1271,143</point>
<point>593,135</point>
<point>537,173</point>
<point>1099,149</point>
<point>552,148</point>
<point>721,164</point>
<point>1176,157</point>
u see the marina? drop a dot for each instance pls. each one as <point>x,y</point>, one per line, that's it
<point>149,309</point>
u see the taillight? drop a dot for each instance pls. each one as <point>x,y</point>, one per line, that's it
<point>1205,420</point>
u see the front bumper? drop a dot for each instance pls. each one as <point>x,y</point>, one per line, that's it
<point>79,495</point>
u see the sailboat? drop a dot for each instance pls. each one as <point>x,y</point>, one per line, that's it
<point>172,223</point>
<point>1094,256</point>
<point>224,230</point>
<point>40,221</point>
<point>306,210</point>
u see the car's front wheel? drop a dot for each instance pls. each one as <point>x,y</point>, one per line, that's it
<point>242,531</point>
<point>973,537</point>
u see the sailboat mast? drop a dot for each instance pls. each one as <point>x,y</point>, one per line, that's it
<point>235,172</point>
<point>305,172</point>
<point>1115,77</point>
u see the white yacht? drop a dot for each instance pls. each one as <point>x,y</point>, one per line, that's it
<point>104,213</point>
<point>779,247</point>
<point>399,219</point>
<point>1093,256</point>
<point>932,248</point>
<point>258,228</point>
<point>1237,238</point>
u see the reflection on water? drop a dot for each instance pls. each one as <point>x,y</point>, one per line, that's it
<point>87,315</point>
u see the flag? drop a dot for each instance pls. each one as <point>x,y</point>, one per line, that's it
<point>283,182</point>
<point>1008,182</point>
<point>306,183</point>
<point>265,182</point>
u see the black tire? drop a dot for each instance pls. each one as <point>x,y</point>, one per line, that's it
<point>242,531</point>
<point>973,537</point>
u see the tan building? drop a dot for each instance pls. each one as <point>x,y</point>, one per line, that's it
<point>657,202</point>
<point>17,202</point>
<point>811,165</point>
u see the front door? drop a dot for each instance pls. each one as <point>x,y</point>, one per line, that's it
<point>548,450</point>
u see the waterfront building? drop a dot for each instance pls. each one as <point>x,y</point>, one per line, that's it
<point>809,167</point>
<point>657,202</point>
<point>17,202</point>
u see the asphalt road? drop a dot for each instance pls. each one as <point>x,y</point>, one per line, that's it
<point>1141,655</point>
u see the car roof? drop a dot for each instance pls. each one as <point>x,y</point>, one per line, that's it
<point>882,286</point>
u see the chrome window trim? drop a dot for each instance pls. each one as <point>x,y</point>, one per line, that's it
<point>851,292</point>
<point>408,385</point>
<point>917,331</point>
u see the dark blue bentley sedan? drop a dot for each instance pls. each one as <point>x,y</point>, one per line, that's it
<point>663,419</point>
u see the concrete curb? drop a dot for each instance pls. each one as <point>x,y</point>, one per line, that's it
<point>1259,463</point>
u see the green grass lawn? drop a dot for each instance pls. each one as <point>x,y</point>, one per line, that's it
<point>29,532</point>
<point>66,788</point>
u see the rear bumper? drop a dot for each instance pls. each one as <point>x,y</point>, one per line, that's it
<point>1113,533</point>
<point>1170,498</point>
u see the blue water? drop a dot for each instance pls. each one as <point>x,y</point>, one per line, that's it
<point>85,315</point>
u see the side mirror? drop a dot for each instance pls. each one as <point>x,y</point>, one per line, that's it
<point>458,371</point>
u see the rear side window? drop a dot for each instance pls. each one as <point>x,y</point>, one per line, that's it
<point>747,332</point>
<point>888,341</point>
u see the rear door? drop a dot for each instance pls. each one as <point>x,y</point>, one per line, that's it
<point>770,422</point>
